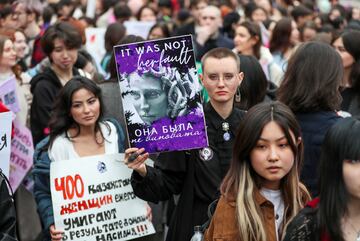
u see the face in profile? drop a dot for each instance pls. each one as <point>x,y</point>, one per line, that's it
<point>149,98</point>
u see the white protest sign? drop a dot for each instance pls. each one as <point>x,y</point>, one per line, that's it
<point>8,94</point>
<point>22,151</point>
<point>93,200</point>
<point>5,141</point>
<point>139,28</point>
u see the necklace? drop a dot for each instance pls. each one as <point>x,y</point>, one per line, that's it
<point>356,231</point>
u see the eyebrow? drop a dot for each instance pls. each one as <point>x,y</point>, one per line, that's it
<point>279,139</point>
<point>79,101</point>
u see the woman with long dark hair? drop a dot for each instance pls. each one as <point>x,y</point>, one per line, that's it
<point>335,214</point>
<point>261,192</point>
<point>311,89</point>
<point>347,46</point>
<point>77,129</point>
<point>248,41</point>
<point>284,38</point>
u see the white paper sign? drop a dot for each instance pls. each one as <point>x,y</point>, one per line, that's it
<point>93,200</point>
<point>5,141</point>
<point>139,28</point>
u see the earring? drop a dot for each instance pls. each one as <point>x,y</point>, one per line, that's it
<point>238,95</point>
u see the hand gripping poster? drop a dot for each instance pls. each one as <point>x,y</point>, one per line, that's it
<point>160,93</point>
<point>93,200</point>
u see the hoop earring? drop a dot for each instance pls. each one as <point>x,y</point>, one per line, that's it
<point>238,95</point>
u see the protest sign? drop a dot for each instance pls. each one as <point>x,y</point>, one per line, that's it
<point>8,94</point>
<point>138,28</point>
<point>21,158</point>
<point>93,200</point>
<point>5,141</point>
<point>161,95</point>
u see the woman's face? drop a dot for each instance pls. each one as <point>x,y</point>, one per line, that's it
<point>8,58</point>
<point>149,98</point>
<point>347,59</point>
<point>243,41</point>
<point>351,173</point>
<point>294,36</point>
<point>259,15</point>
<point>272,157</point>
<point>62,57</point>
<point>85,107</point>
<point>221,79</point>
<point>147,15</point>
<point>20,45</point>
<point>156,33</point>
<point>309,34</point>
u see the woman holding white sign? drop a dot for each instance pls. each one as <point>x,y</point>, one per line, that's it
<point>77,129</point>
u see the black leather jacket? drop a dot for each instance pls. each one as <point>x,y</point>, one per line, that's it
<point>7,213</point>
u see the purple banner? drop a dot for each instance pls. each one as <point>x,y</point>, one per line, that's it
<point>161,94</point>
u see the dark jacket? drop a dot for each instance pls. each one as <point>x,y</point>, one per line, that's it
<point>188,173</point>
<point>305,226</point>
<point>7,213</point>
<point>314,126</point>
<point>351,102</point>
<point>220,41</point>
<point>45,88</point>
<point>41,173</point>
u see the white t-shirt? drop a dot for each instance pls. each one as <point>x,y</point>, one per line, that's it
<point>63,149</point>
<point>275,197</point>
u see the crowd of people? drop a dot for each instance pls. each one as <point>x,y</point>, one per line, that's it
<point>280,82</point>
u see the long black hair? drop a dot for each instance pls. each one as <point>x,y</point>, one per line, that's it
<point>341,143</point>
<point>61,120</point>
<point>254,85</point>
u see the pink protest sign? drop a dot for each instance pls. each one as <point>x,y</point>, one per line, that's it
<point>21,158</point>
<point>8,94</point>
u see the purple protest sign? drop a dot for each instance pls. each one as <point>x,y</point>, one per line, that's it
<point>8,94</point>
<point>161,94</point>
<point>21,158</point>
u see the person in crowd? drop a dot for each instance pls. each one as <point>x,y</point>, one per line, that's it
<point>196,6</point>
<point>248,41</point>
<point>77,129</point>
<point>112,97</point>
<point>258,15</point>
<point>334,215</point>
<point>7,208</point>
<point>208,35</point>
<point>146,14</point>
<point>122,12</point>
<point>347,45</point>
<point>21,49</point>
<point>230,21</point>
<point>301,15</point>
<point>255,88</point>
<point>261,192</point>
<point>113,34</point>
<point>9,69</point>
<point>110,88</point>
<point>159,30</point>
<point>311,89</point>
<point>196,174</point>
<point>60,43</point>
<point>7,19</point>
<point>308,31</point>
<point>27,14</point>
<point>284,38</point>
